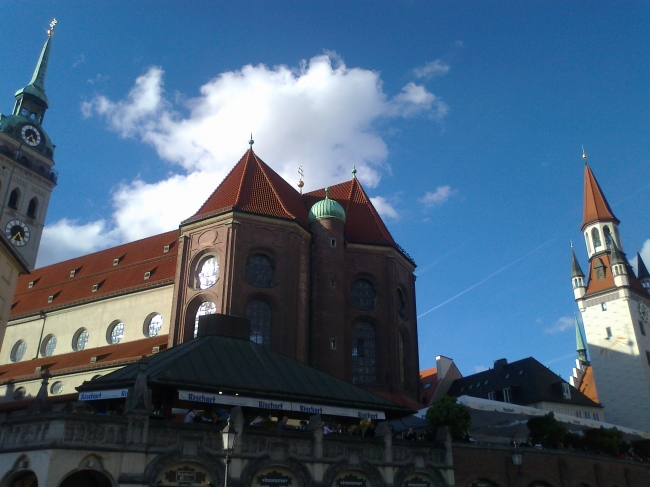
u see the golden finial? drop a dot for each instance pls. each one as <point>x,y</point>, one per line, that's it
<point>301,174</point>
<point>50,31</point>
<point>584,155</point>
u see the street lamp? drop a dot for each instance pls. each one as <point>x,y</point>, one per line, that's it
<point>228,435</point>
<point>516,457</point>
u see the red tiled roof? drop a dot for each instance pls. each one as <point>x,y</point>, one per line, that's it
<point>362,222</point>
<point>136,258</point>
<point>595,206</point>
<point>107,356</point>
<point>595,286</point>
<point>588,386</point>
<point>254,187</point>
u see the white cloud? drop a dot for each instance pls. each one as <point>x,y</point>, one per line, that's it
<point>563,324</point>
<point>384,208</point>
<point>319,115</point>
<point>431,69</point>
<point>480,368</point>
<point>645,253</point>
<point>80,59</point>
<point>438,197</point>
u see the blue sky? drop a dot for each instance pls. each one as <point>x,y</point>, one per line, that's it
<point>464,119</point>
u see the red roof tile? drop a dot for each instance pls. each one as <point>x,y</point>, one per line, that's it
<point>595,286</point>
<point>362,222</point>
<point>107,356</point>
<point>254,187</point>
<point>135,258</point>
<point>595,207</point>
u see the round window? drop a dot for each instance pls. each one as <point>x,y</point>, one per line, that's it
<point>153,325</point>
<point>115,333</point>
<point>80,339</point>
<point>207,273</point>
<point>206,308</point>
<point>19,393</point>
<point>56,388</point>
<point>49,344</point>
<point>18,351</point>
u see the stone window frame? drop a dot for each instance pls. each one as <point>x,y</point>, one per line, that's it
<point>273,264</point>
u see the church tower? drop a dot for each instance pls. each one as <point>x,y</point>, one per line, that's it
<point>615,308</point>
<point>27,177</point>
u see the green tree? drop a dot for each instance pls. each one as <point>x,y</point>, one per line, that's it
<point>546,430</point>
<point>605,440</point>
<point>447,412</point>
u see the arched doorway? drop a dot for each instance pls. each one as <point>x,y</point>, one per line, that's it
<point>86,478</point>
<point>26,478</point>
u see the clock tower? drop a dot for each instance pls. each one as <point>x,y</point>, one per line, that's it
<point>615,308</point>
<point>27,176</point>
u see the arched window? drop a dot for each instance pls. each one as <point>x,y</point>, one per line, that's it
<point>80,339</point>
<point>207,272</point>
<point>608,237</point>
<point>595,236</point>
<point>48,345</point>
<point>401,304</point>
<point>18,351</point>
<point>402,367</point>
<point>362,294</point>
<point>261,316</point>
<point>206,308</point>
<point>259,270</point>
<point>14,199</point>
<point>364,363</point>
<point>32,208</point>
<point>588,243</point>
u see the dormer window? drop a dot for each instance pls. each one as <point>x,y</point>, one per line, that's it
<point>116,261</point>
<point>566,390</point>
<point>31,284</point>
<point>95,287</point>
<point>73,272</point>
<point>165,249</point>
<point>50,298</point>
<point>147,275</point>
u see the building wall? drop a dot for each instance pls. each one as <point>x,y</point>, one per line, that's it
<point>132,309</point>
<point>9,272</point>
<point>543,468</point>
<point>621,368</point>
<point>232,239</point>
<point>571,410</point>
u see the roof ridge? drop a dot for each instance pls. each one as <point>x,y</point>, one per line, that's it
<point>244,173</point>
<point>375,215</point>
<point>133,242</point>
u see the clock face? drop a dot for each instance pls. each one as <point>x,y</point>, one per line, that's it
<point>644,312</point>
<point>17,233</point>
<point>31,135</point>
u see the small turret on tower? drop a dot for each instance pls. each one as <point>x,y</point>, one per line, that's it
<point>581,348</point>
<point>577,277</point>
<point>619,267</point>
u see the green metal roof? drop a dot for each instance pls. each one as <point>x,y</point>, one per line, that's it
<point>216,363</point>
<point>326,208</point>
<point>617,258</point>
<point>36,86</point>
<point>576,271</point>
<point>580,343</point>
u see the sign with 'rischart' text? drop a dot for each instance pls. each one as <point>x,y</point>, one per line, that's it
<point>96,395</point>
<point>273,404</point>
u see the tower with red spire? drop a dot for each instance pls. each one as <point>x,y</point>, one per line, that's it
<point>615,308</point>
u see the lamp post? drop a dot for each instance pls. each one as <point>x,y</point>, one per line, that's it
<point>228,435</point>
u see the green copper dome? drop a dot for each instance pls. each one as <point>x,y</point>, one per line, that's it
<point>326,208</point>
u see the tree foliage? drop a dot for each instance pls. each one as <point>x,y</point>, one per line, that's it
<point>447,412</point>
<point>546,430</point>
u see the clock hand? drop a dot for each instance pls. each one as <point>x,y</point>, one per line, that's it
<point>18,236</point>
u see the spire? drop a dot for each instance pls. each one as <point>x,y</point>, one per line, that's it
<point>251,142</point>
<point>576,271</point>
<point>595,207</point>
<point>36,86</point>
<point>580,343</point>
<point>641,270</point>
<point>354,171</point>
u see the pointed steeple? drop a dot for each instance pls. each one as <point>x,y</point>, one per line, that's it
<point>642,271</point>
<point>31,100</point>
<point>595,206</point>
<point>576,271</point>
<point>580,343</point>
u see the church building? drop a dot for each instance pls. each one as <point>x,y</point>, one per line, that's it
<point>318,275</point>
<point>615,307</point>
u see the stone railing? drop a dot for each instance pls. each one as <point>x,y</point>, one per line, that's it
<point>94,432</point>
